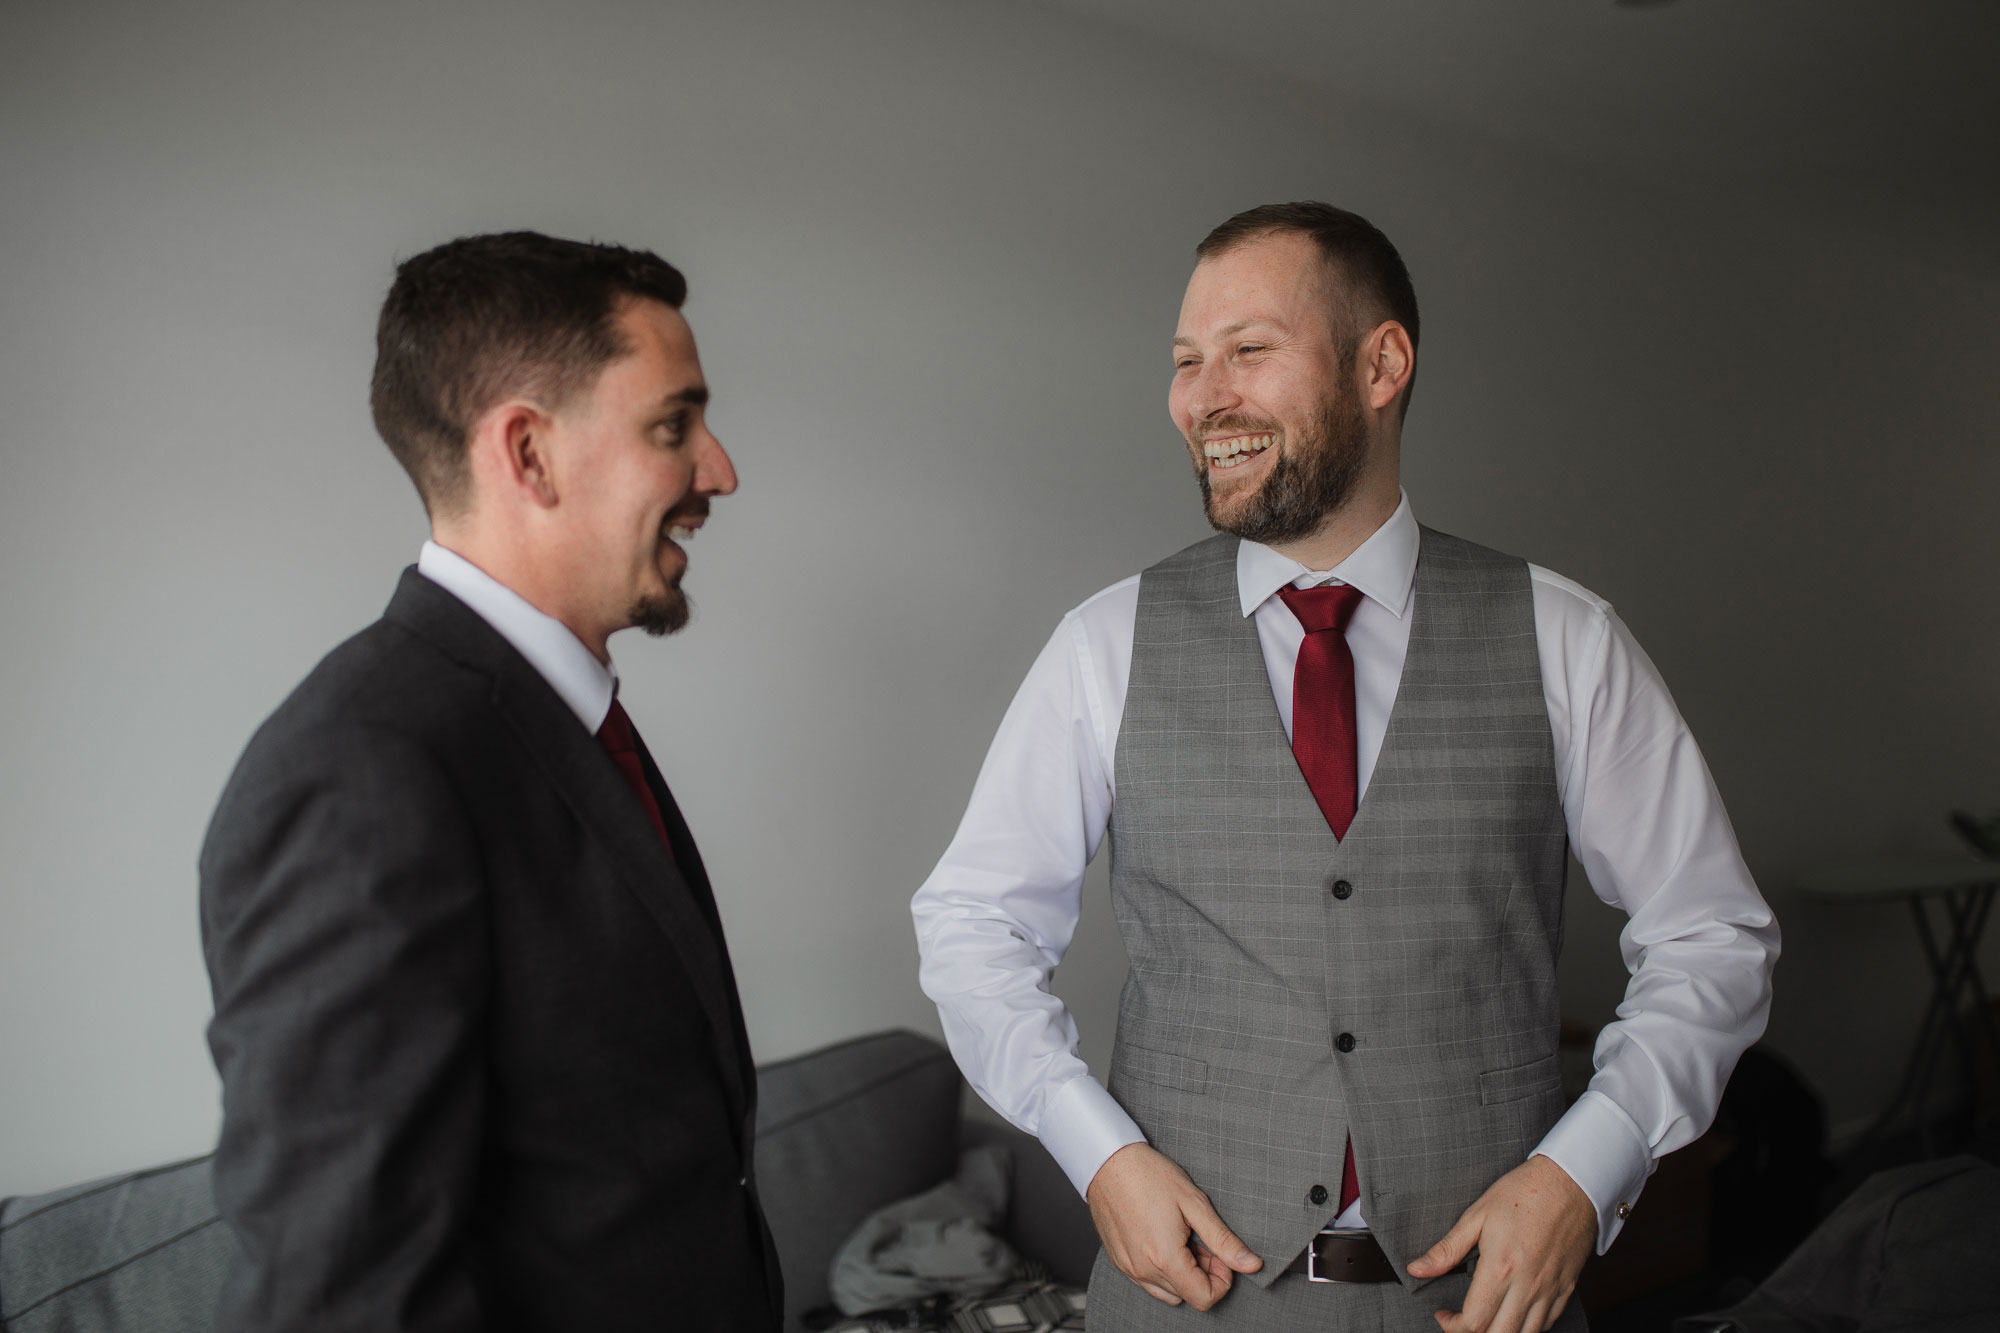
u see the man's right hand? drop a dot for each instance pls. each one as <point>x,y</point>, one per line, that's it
<point>1162,1232</point>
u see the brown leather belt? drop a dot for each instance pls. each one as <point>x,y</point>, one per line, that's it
<point>1344,1256</point>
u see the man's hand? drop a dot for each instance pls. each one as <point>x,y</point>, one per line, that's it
<point>1162,1232</point>
<point>1534,1228</point>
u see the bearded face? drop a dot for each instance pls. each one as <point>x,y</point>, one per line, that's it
<point>1311,473</point>
<point>1267,390</point>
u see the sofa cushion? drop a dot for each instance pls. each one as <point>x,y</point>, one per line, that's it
<point>841,1132</point>
<point>142,1251</point>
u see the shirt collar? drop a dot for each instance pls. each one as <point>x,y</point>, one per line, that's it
<point>1383,567</point>
<point>572,670</point>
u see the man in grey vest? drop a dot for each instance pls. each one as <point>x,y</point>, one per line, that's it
<point>1341,759</point>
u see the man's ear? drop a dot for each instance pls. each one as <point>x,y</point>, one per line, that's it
<point>1387,360</point>
<point>510,453</point>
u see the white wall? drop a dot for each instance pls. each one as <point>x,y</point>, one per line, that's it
<point>935,253</point>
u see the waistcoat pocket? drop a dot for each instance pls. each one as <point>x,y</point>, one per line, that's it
<point>1511,1085</point>
<point>1173,1071</point>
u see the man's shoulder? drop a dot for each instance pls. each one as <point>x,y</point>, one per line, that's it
<point>1565,596</point>
<point>387,677</point>
<point>383,692</point>
<point>1218,551</point>
<point>1554,593</point>
<point>1107,605</point>
<point>1214,552</point>
<point>1099,630</point>
<point>1205,570</point>
<point>371,726</point>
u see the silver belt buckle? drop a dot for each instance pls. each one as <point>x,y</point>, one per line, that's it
<point>1312,1251</point>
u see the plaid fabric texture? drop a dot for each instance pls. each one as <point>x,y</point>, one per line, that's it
<point>1266,1017</point>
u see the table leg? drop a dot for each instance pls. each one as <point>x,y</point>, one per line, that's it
<point>1913,1094</point>
<point>1954,971</point>
<point>1969,914</point>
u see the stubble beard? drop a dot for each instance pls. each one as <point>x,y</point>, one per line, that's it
<point>1309,481</point>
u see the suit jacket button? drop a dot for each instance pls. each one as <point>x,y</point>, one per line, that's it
<point>1344,1042</point>
<point>1342,889</point>
<point>1316,1195</point>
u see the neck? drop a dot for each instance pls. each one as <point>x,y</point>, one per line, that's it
<point>1367,507</point>
<point>516,564</point>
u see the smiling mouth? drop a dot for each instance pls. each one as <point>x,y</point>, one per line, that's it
<point>682,526</point>
<point>1235,450</point>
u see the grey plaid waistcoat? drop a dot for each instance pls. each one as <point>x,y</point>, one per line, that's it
<point>1438,959</point>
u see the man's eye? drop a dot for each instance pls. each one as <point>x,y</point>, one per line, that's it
<point>1247,348</point>
<point>1184,363</point>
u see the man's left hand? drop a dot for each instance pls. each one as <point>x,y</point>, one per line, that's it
<point>1534,1228</point>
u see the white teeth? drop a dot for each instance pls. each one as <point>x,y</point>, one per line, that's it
<point>1229,452</point>
<point>680,534</point>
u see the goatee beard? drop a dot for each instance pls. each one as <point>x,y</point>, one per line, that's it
<point>664,614</point>
<point>1308,482</point>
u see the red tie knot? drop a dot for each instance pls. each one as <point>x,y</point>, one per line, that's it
<point>1328,607</point>
<point>616,732</point>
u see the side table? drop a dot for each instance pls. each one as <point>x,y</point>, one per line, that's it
<point>1965,891</point>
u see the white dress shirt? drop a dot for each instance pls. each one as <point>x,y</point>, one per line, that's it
<point>1644,819</point>
<point>572,670</point>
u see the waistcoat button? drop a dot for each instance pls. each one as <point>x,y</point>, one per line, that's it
<point>1316,1195</point>
<point>1344,1042</point>
<point>1342,889</point>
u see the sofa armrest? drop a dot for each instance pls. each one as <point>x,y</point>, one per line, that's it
<point>138,1251</point>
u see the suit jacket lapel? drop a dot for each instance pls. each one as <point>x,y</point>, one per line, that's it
<point>687,859</point>
<point>695,875</point>
<point>590,783</point>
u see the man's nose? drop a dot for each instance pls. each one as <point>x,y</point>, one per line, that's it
<point>715,474</point>
<point>1212,392</point>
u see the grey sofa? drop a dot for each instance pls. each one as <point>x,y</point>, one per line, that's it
<point>840,1132</point>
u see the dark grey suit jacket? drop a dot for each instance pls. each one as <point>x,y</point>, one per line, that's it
<point>483,1064</point>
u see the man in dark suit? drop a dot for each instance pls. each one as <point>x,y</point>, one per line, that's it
<point>482,1059</point>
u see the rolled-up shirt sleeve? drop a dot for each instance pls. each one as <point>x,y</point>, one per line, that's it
<point>1647,825</point>
<point>998,913</point>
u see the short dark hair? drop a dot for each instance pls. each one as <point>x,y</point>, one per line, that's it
<point>484,318</point>
<point>1366,268</point>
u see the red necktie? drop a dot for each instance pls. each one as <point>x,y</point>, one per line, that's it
<point>1323,731</point>
<point>1323,699</point>
<point>622,742</point>
<point>618,737</point>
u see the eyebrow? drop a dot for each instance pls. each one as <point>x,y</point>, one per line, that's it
<point>695,395</point>
<point>1225,331</point>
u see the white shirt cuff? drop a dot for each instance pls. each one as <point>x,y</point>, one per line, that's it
<point>1600,1148</point>
<point>1082,1125</point>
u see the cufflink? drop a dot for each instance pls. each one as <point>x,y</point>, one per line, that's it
<point>1624,1210</point>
